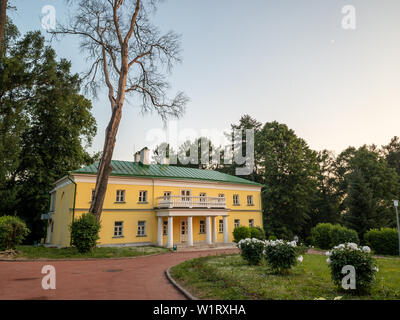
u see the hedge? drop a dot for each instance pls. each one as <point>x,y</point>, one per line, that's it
<point>383,241</point>
<point>327,235</point>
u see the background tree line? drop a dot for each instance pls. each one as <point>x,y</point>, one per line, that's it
<point>46,125</point>
<point>303,187</point>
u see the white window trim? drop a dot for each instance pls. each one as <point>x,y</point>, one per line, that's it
<point>143,195</point>
<point>121,228</point>
<point>139,228</point>
<point>121,197</point>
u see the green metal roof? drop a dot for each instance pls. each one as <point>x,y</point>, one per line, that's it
<point>132,169</point>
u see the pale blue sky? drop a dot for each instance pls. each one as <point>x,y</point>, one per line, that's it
<point>284,60</point>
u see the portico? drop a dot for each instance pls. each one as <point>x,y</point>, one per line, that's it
<point>185,218</point>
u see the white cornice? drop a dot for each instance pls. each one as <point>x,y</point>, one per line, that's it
<point>167,183</point>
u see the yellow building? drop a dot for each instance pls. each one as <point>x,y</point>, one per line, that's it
<point>156,204</point>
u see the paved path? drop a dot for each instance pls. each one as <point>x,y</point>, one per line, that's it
<point>140,278</point>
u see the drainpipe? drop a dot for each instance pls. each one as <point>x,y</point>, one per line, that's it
<point>73,207</point>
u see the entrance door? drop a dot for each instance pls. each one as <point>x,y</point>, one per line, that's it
<point>183,231</point>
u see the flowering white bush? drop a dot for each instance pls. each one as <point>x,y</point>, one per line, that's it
<point>281,255</point>
<point>358,257</point>
<point>252,250</point>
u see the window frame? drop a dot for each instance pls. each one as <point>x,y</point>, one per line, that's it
<point>165,227</point>
<point>237,201</point>
<point>139,228</point>
<point>251,223</point>
<point>202,227</point>
<point>118,229</point>
<point>220,226</point>
<point>250,203</point>
<point>120,198</point>
<point>143,196</point>
<point>236,223</point>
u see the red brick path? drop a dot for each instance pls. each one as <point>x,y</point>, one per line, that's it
<point>139,278</point>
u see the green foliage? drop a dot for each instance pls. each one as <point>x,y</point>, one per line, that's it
<point>85,232</point>
<point>321,235</point>
<point>12,232</point>
<point>257,233</point>
<point>341,234</point>
<point>280,255</point>
<point>46,126</point>
<point>252,250</point>
<point>383,241</point>
<point>241,233</point>
<point>290,170</point>
<point>360,258</point>
<point>367,186</point>
<point>272,237</point>
<point>326,235</point>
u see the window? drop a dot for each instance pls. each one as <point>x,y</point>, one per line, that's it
<point>52,225</point>
<point>202,226</point>
<point>221,226</point>
<point>250,201</point>
<point>52,201</point>
<point>203,197</point>
<point>167,195</point>
<point>118,228</point>
<point>237,223</point>
<point>120,196</point>
<point>221,198</point>
<point>251,223</point>
<point>165,228</point>
<point>236,200</point>
<point>141,232</point>
<point>143,196</point>
<point>92,199</point>
<point>186,195</point>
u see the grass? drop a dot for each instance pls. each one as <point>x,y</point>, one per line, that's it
<point>228,277</point>
<point>32,252</point>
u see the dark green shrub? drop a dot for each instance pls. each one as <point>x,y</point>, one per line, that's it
<point>321,235</point>
<point>280,255</point>
<point>350,254</point>
<point>341,234</point>
<point>85,232</point>
<point>257,232</point>
<point>272,237</point>
<point>383,241</point>
<point>241,233</point>
<point>252,250</point>
<point>12,231</point>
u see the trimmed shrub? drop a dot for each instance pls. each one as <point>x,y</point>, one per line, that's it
<point>350,254</point>
<point>252,250</point>
<point>341,234</point>
<point>383,241</point>
<point>85,232</point>
<point>321,235</point>
<point>281,255</point>
<point>241,233</point>
<point>12,232</point>
<point>327,235</point>
<point>257,232</point>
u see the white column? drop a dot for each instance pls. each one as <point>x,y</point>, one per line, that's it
<point>226,237</point>
<point>208,230</point>
<point>170,243</point>
<point>160,232</point>
<point>190,231</point>
<point>214,229</point>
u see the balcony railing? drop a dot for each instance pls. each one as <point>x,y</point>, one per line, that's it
<point>191,202</point>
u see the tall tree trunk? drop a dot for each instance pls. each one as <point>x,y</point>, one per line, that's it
<point>3,18</point>
<point>104,169</point>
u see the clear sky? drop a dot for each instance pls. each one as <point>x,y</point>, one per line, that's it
<point>284,60</point>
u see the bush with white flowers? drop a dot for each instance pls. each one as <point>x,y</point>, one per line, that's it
<point>281,255</point>
<point>352,255</point>
<point>252,250</point>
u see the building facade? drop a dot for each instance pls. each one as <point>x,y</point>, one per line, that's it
<point>156,204</point>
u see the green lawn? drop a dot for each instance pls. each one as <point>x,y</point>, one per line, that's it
<point>31,252</point>
<point>229,277</point>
